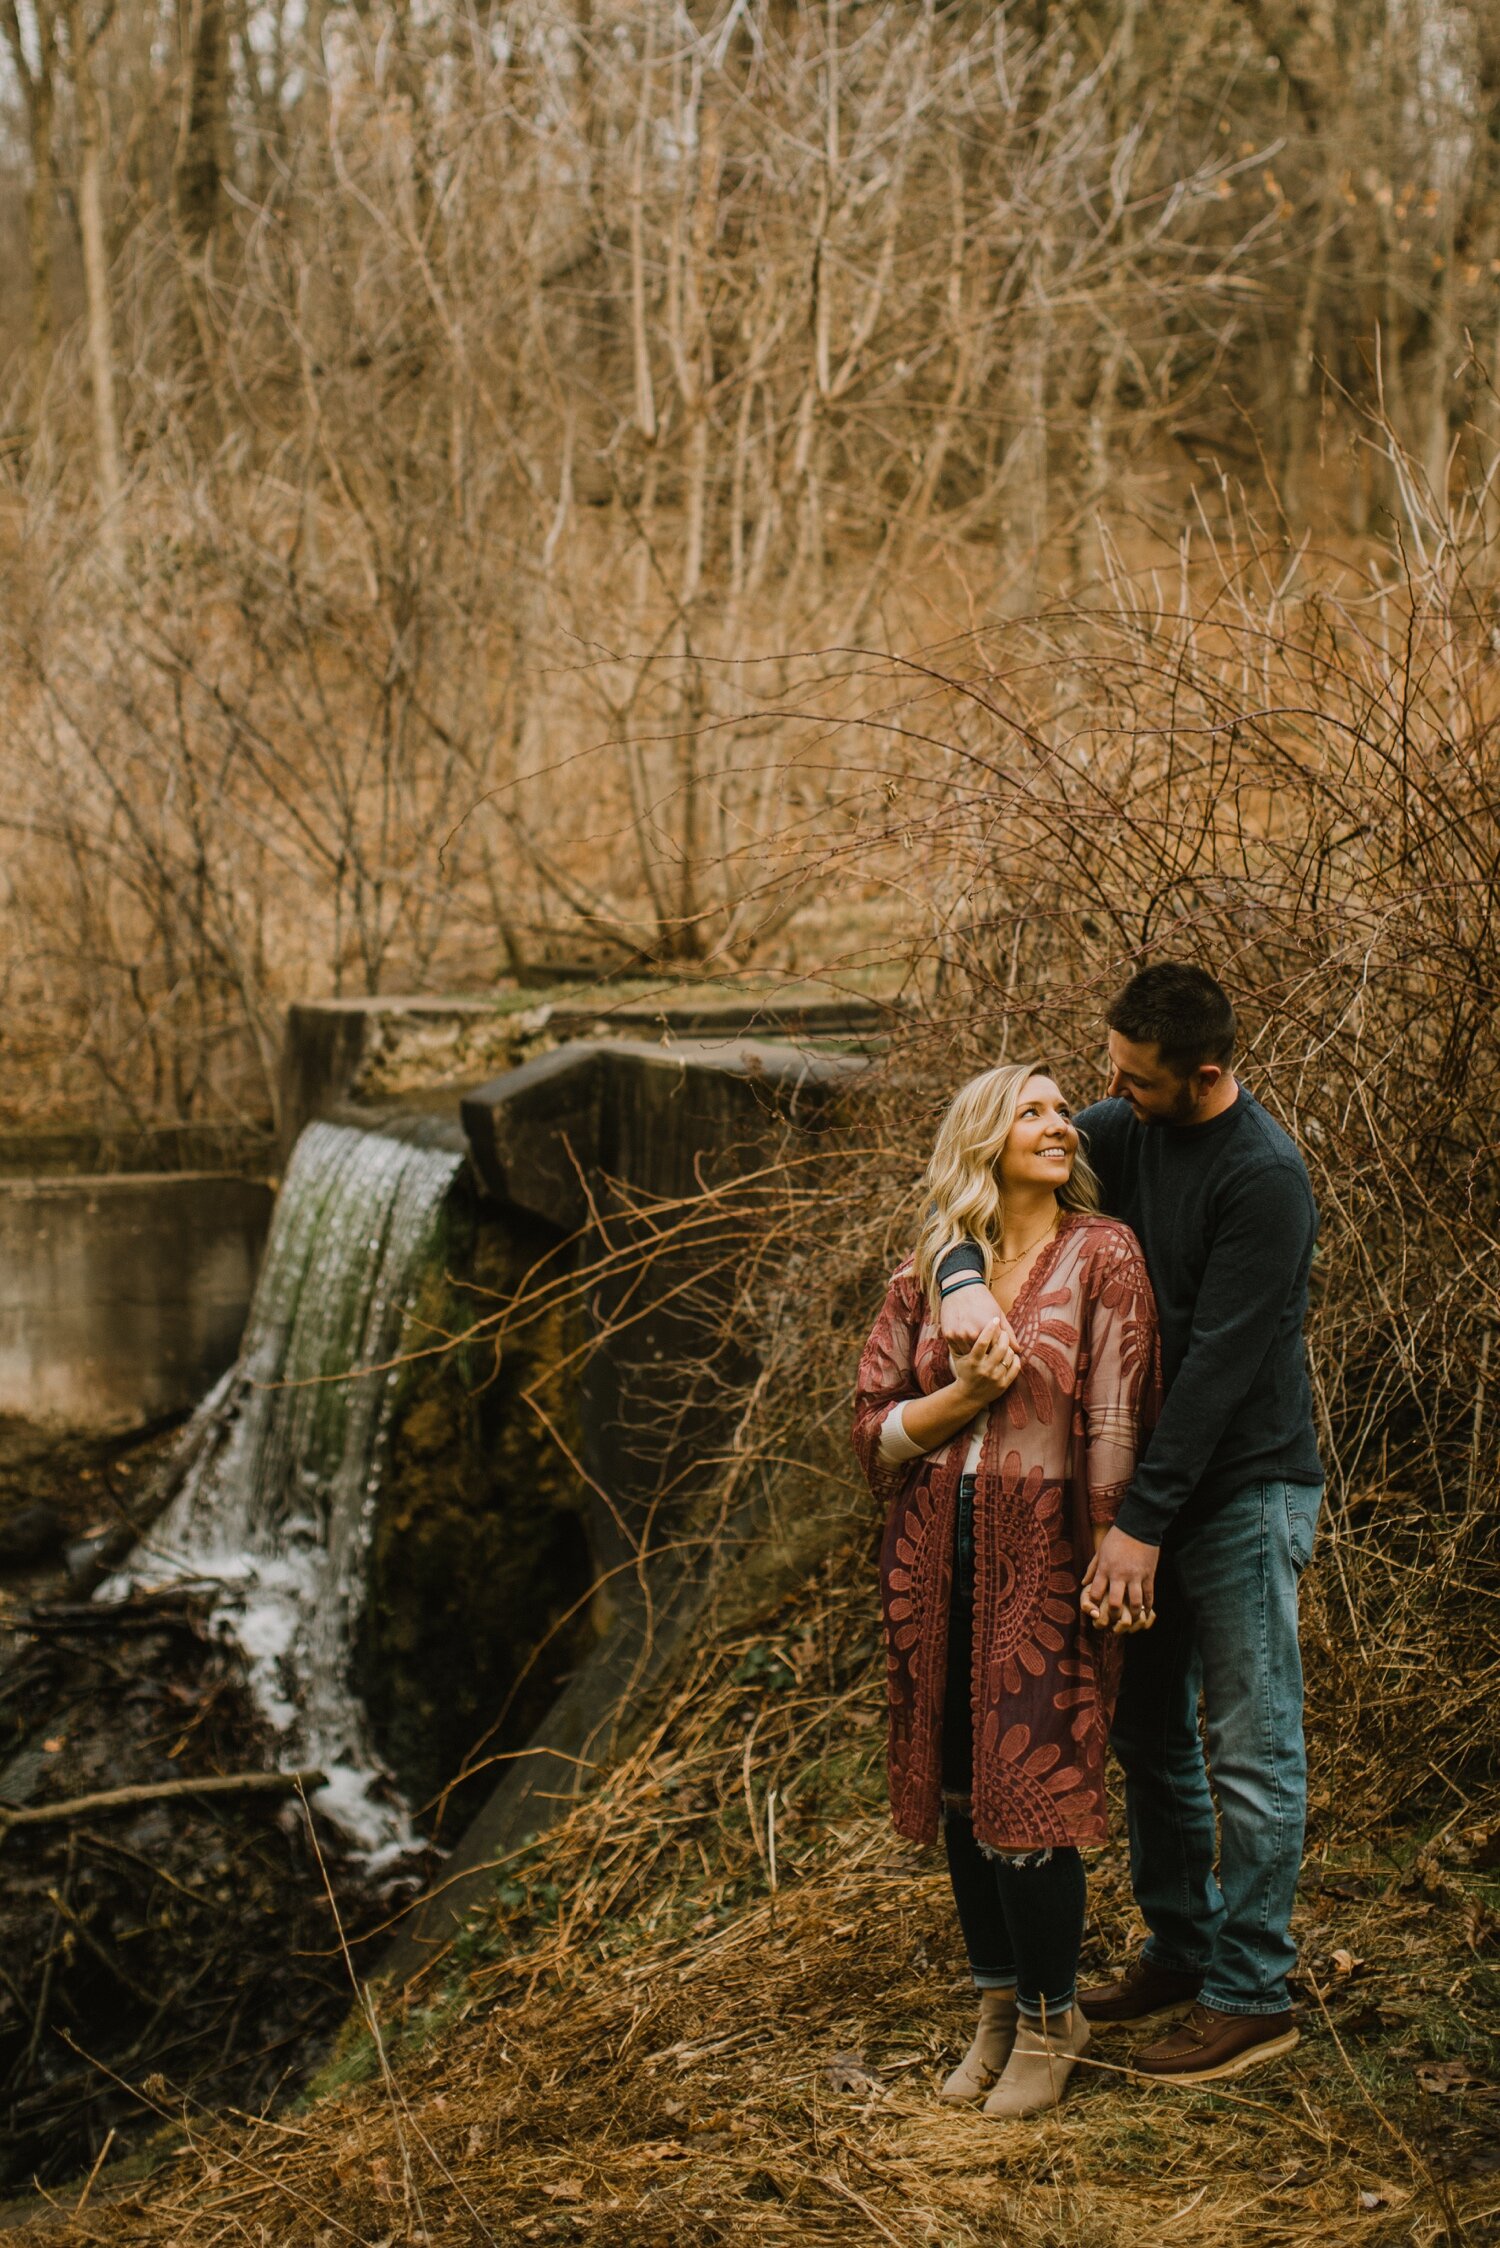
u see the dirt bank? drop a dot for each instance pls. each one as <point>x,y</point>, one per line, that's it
<point>636,2044</point>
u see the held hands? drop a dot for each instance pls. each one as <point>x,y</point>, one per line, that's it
<point>987,1371</point>
<point>1119,1592</point>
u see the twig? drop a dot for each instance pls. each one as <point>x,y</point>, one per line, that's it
<point>39,2018</point>
<point>760,1848</point>
<point>99,2161</point>
<point>1476,1439</point>
<point>771,1847</point>
<point>119,1798</point>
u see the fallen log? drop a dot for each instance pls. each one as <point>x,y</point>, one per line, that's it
<point>160,1791</point>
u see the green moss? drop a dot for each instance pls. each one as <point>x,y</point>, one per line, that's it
<point>479,1552</point>
<point>354,2063</point>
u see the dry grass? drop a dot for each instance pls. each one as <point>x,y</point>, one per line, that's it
<point>635,2041</point>
<point>639,2042</point>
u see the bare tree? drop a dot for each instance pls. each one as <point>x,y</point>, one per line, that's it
<point>34,62</point>
<point>570,392</point>
<point>201,161</point>
<point>85,33</point>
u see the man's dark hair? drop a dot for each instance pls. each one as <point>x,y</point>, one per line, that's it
<point>1181,1010</point>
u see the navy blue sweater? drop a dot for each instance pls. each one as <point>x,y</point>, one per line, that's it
<point>1225,1216</point>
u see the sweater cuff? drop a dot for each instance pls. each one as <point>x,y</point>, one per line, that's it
<point>1138,1518</point>
<point>896,1447</point>
<point>964,1256</point>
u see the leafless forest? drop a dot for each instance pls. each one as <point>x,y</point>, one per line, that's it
<point>464,471</point>
<point>950,498</point>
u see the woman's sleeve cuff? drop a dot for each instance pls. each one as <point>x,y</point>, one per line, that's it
<point>896,1447</point>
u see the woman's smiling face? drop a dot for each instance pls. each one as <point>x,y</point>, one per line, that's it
<point>1043,1141</point>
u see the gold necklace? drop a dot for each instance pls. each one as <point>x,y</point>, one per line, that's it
<point>1004,1264</point>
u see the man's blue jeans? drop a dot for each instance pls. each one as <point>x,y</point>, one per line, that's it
<point>1226,1628</point>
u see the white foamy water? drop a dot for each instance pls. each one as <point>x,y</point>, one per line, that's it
<point>286,1456</point>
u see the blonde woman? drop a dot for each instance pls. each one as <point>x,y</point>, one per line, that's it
<point>1002,1469</point>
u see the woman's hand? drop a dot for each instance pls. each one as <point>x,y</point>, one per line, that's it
<point>987,1371</point>
<point>979,1376</point>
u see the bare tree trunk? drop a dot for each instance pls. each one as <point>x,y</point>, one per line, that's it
<point>1444,351</point>
<point>645,400</point>
<point>82,41</point>
<point>199,168</point>
<point>39,84</point>
<point>1026,462</point>
<point>39,231</point>
<point>1098,461</point>
<point>202,157</point>
<point>1304,357</point>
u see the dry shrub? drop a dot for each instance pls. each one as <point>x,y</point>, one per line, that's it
<point>1301,790</point>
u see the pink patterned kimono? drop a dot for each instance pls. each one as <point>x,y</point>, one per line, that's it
<point>1059,1451</point>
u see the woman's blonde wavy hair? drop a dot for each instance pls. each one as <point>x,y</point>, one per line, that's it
<point>962,1184</point>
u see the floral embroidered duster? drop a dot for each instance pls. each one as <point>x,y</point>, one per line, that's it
<point>1059,1450</point>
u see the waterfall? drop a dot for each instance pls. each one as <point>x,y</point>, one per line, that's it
<point>284,1459</point>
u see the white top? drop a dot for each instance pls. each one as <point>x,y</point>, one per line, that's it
<point>896,1446</point>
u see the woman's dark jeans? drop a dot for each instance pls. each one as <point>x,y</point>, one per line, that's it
<point>1021,1915</point>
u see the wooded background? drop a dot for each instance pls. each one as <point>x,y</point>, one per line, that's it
<point>958,499</point>
<point>462,464</point>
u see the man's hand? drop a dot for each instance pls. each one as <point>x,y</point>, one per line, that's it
<point>965,1314</point>
<point>1119,1592</point>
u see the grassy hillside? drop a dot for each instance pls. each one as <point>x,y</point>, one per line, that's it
<point>641,2041</point>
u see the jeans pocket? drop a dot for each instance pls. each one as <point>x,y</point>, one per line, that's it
<point>1303,1501</point>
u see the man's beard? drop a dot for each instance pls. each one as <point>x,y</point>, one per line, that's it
<point>1181,1111</point>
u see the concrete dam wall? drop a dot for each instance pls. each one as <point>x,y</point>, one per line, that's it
<point>125,1295</point>
<point>444,1491</point>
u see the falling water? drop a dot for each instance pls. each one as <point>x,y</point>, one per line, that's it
<point>285,1457</point>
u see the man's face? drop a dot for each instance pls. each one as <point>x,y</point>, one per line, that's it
<point>1155,1093</point>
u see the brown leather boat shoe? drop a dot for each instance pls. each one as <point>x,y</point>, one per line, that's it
<point>1209,2045</point>
<point>1140,1993</point>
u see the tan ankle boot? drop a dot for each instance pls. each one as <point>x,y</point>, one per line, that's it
<point>990,2051</point>
<point>1039,2066</point>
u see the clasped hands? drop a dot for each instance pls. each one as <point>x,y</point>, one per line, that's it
<point>1119,1592</point>
<point>986,1370</point>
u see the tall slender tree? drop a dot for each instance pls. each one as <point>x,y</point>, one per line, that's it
<point>35,66</point>
<point>85,31</point>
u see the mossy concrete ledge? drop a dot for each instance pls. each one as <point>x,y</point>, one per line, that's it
<point>665,1120</point>
<point>346,1055</point>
